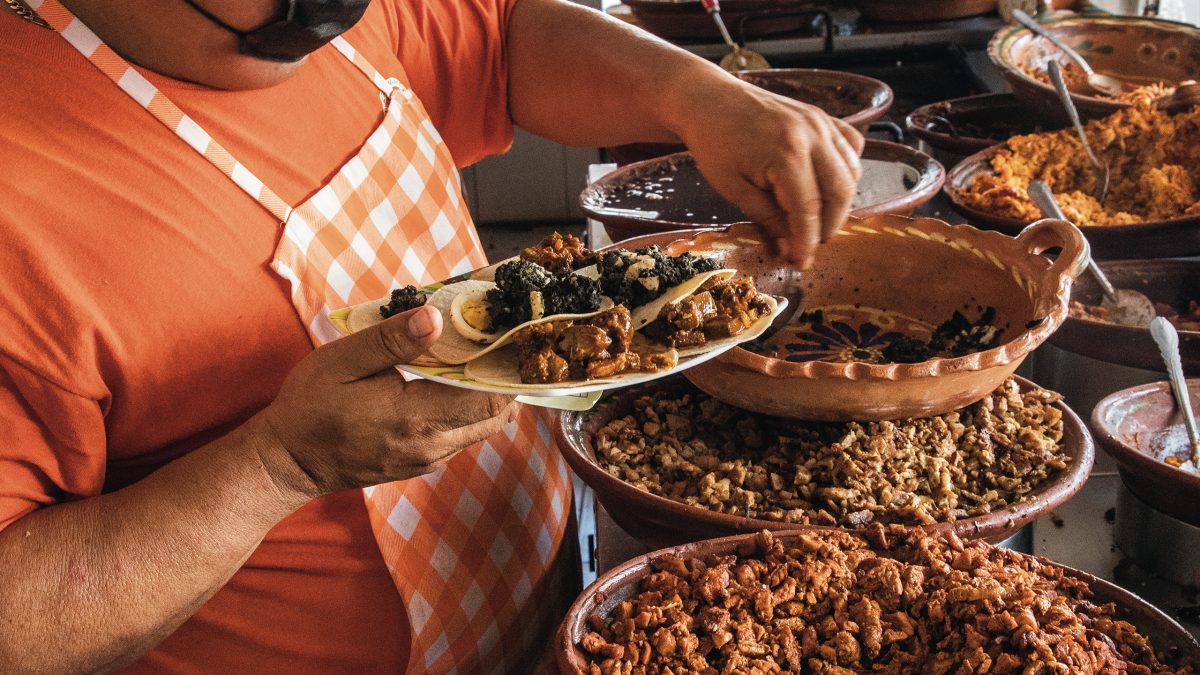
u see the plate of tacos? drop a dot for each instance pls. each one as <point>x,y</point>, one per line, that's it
<point>560,320</point>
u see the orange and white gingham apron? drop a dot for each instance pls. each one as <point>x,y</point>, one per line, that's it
<point>475,549</point>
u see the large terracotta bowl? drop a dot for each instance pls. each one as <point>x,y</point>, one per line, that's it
<point>1173,282</point>
<point>658,521</point>
<point>855,99</point>
<point>1154,239</point>
<point>687,19</point>
<point>621,583</point>
<point>1140,426</point>
<point>902,274</point>
<point>906,11</point>
<point>1128,47</point>
<point>964,126</point>
<point>689,202</point>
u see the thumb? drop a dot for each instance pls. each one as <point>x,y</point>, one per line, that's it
<point>398,339</point>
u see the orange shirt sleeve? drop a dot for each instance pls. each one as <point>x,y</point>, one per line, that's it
<point>52,443</point>
<point>454,54</point>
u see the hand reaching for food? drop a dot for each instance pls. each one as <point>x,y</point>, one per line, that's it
<point>344,418</point>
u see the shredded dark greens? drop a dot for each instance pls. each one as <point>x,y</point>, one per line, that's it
<point>402,300</point>
<point>655,273</point>
<point>512,301</point>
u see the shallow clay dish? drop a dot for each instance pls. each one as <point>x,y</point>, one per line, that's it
<point>908,275</point>
<point>964,126</point>
<point>687,19</point>
<point>1128,47</point>
<point>855,99</point>
<point>658,521</point>
<point>1173,282</point>
<point>906,11</point>
<point>896,179</point>
<point>621,583</point>
<point>1155,239</point>
<point>1138,427</point>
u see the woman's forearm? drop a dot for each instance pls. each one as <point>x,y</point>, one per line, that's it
<point>581,78</point>
<point>93,584</point>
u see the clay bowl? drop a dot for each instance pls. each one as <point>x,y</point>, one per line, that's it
<point>1139,426</point>
<point>857,100</point>
<point>910,179</point>
<point>687,19</point>
<point>621,583</point>
<point>975,122</point>
<point>1132,48</point>
<point>1173,282</point>
<point>1155,239</point>
<point>891,273</point>
<point>905,11</point>
<point>657,521</point>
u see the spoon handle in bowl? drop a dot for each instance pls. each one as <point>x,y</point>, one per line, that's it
<point>1167,338</point>
<point>1064,96</point>
<point>1028,22</point>
<point>1043,197</point>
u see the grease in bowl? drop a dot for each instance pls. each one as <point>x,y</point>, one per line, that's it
<point>681,444</point>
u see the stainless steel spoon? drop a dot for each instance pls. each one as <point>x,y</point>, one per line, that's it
<point>1100,187</point>
<point>1105,84</point>
<point>1167,338</point>
<point>738,58</point>
<point>1128,308</point>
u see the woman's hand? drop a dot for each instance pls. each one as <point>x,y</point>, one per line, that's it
<point>786,164</point>
<point>344,418</point>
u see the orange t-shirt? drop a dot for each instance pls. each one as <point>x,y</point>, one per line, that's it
<point>142,319</point>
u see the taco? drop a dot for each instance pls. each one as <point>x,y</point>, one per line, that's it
<point>707,312</point>
<point>639,278</point>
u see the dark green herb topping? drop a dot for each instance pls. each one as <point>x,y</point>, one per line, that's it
<point>403,299</point>
<point>633,278</point>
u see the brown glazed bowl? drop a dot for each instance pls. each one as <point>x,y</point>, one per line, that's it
<point>689,202</point>
<point>1135,48</point>
<point>1138,427</point>
<point>906,11</point>
<point>658,521</point>
<point>1173,282</point>
<point>855,99</point>
<point>621,583</point>
<point>909,275</point>
<point>1155,239</point>
<point>964,126</point>
<point>687,19</point>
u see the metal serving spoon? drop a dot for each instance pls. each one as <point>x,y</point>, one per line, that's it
<point>1100,187</point>
<point>738,58</point>
<point>1105,84</point>
<point>1167,338</point>
<point>1128,308</point>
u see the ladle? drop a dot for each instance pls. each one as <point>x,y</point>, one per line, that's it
<point>1100,187</point>
<point>1167,338</point>
<point>738,58</point>
<point>1105,84</point>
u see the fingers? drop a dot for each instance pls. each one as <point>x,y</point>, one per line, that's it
<point>445,408</point>
<point>838,187</point>
<point>399,339</point>
<point>453,441</point>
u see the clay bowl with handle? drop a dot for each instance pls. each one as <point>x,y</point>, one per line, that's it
<point>1141,426</point>
<point>1135,49</point>
<point>891,274</point>
<point>1172,282</point>
<point>1171,641</point>
<point>658,521</point>
<point>905,11</point>
<point>965,126</point>
<point>687,20</point>
<point>1153,239</point>
<point>669,193</point>
<point>855,99</point>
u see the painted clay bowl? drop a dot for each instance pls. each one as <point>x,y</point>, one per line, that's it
<point>964,126</point>
<point>1133,48</point>
<point>892,273</point>
<point>658,521</point>
<point>687,19</point>
<point>1154,239</point>
<point>855,99</point>
<point>1173,282</point>
<point>621,583</point>
<point>668,193</point>
<point>1141,426</point>
<point>906,11</point>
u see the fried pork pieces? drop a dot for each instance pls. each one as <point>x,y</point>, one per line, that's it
<point>888,601</point>
<point>1154,169</point>
<point>683,445</point>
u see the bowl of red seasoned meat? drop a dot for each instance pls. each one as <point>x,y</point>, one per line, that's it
<point>886,600</point>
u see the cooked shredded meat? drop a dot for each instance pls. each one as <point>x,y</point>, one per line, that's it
<point>717,310</point>
<point>1076,80</point>
<point>587,349</point>
<point>1189,320</point>
<point>559,253</point>
<point>680,444</point>
<point>889,600</point>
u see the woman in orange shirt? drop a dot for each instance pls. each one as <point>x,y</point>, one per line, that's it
<point>191,185</point>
